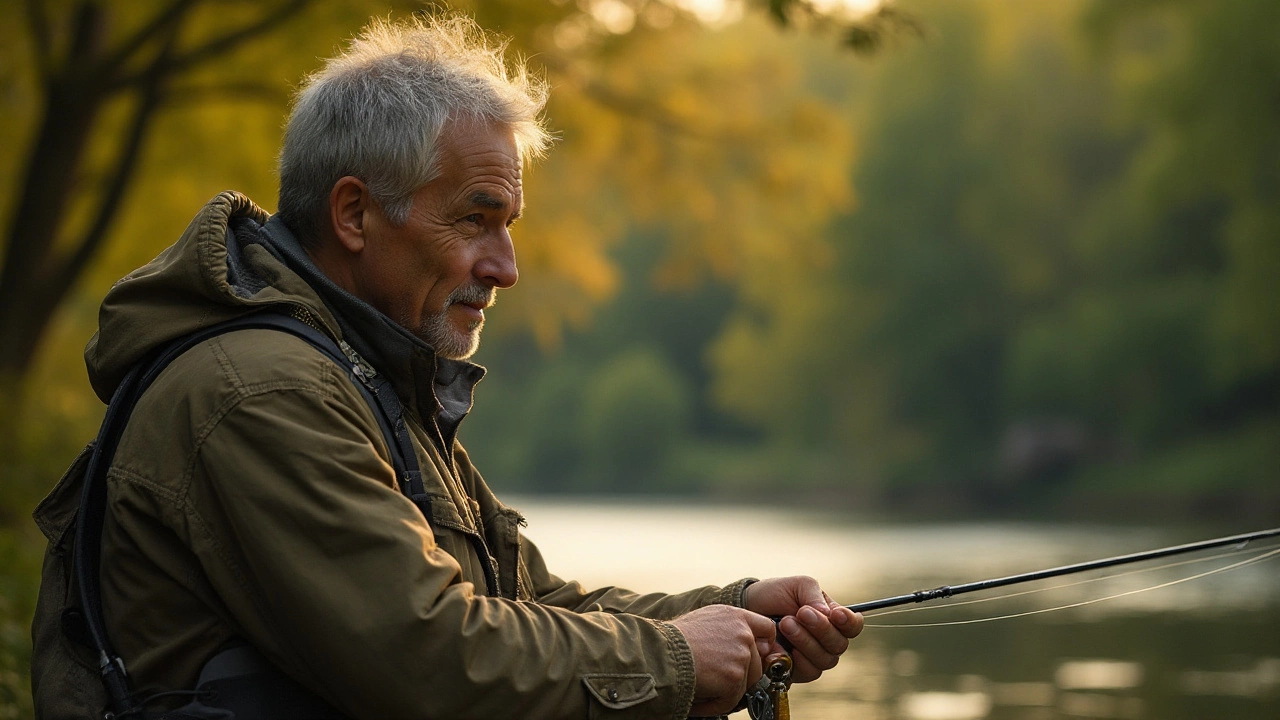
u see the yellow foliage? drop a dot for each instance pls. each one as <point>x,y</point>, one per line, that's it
<point>711,139</point>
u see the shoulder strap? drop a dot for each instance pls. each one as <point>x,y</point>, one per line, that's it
<point>93,500</point>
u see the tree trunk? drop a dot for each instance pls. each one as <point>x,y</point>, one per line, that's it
<point>30,282</point>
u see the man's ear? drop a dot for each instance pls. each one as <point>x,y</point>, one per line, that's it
<point>349,200</point>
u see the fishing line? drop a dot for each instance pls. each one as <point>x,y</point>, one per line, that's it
<point>1101,578</point>
<point>947,591</point>
<point>1215,571</point>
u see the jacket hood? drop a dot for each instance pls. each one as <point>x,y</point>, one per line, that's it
<point>233,259</point>
<point>216,271</point>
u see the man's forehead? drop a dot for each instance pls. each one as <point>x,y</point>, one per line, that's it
<point>479,167</point>
<point>472,138</point>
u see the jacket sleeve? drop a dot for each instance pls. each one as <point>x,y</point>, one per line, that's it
<point>337,578</point>
<point>548,589</point>
<point>551,590</point>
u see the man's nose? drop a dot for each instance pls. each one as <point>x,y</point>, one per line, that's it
<point>498,266</point>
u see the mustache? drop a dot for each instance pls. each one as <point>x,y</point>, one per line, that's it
<point>473,295</point>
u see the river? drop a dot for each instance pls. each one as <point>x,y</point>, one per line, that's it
<point>1205,649</point>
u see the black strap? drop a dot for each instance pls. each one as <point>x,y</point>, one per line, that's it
<point>377,392</point>
<point>239,683</point>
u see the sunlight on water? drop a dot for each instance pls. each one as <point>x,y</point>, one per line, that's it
<point>675,546</point>
<point>1209,648</point>
<point>1029,694</point>
<point>671,546</point>
<point>945,705</point>
<point>1098,675</point>
<point>1098,705</point>
<point>1260,680</point>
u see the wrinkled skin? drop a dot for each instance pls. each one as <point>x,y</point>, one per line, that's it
<point>731,645</point>
<point>436,272</point>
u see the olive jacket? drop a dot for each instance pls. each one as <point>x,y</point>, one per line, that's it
<point>252,500</point>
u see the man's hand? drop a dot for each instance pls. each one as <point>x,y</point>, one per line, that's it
<point>818,628</point>
<point>727,644</point>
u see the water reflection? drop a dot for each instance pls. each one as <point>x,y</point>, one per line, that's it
<point>937,705</point>
<point>1099,705</point>
<point>1098,675</point>
<point>1260,680</point>
<point>625,542</point>
<point>1028,694</point>
<point>1203,649</point>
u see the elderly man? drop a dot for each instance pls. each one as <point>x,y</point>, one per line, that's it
<point>252,502</point>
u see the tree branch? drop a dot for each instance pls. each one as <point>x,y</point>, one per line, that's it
<point>220,45</point>
<point>69,108</point>
<point>240,91</point>
<point>38,22</point>
<point>165,18</point>
<point>628,105</point>
<point>86,34</point>
<point>864,35</point>
<point>150,97</point>
<point>642,109</point>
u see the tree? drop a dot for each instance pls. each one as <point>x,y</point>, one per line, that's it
<point>84,67</point>
<point>889,357</point>
<point>103,71</point>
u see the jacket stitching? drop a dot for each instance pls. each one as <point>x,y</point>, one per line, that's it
<point>133,477</point>
<point>228,368</point>
<point>251,391</point>
<point>242,578</point>
<point>683,660</point>
<point>180,502</point>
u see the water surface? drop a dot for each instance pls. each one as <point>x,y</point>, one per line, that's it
<point>1203,649</point>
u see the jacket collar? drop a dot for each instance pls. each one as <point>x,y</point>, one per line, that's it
<point>438,389</point>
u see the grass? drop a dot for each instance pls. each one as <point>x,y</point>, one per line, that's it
<point>21,550</point>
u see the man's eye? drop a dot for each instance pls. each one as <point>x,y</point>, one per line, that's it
<point>474,218</point>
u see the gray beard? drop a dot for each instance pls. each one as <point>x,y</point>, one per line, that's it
<point>437,332</point>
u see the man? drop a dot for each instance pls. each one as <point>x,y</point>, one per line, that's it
<point>251,500</point>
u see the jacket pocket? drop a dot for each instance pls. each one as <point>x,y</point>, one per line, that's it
<point>502,528</point>
<point>620,691</point>
<point>64,674</point>
<point>57,511</point>
<point>456,537</point>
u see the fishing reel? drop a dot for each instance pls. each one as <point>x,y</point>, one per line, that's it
<point>768,699</point>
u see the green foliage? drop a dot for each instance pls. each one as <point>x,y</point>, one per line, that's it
<point>1025,262</point>
<point>1061,213</point>
<point>636,410</point>
<point>1059,268</point>
<point>1135,362</point>
<point>781,267</point>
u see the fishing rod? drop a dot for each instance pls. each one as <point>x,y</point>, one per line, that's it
<point>947,591</point>
<point>767,700</point>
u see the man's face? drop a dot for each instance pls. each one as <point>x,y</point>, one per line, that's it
<point>437,272</point>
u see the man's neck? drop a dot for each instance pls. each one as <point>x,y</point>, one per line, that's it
<point>334,261</point>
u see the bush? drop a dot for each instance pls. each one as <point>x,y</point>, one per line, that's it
<point>635,413</point>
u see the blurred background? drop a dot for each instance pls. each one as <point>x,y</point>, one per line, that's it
<point>932,288</point>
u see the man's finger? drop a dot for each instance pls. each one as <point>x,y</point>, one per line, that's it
<point>812,648</point>
<point>765,647</point>
<point>754,671</point>
<point>808,592</point>
<point>824,631</point>
<point>761,626</point>
<point>848,622</point>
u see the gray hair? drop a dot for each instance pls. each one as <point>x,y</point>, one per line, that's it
<point>376,112</point>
